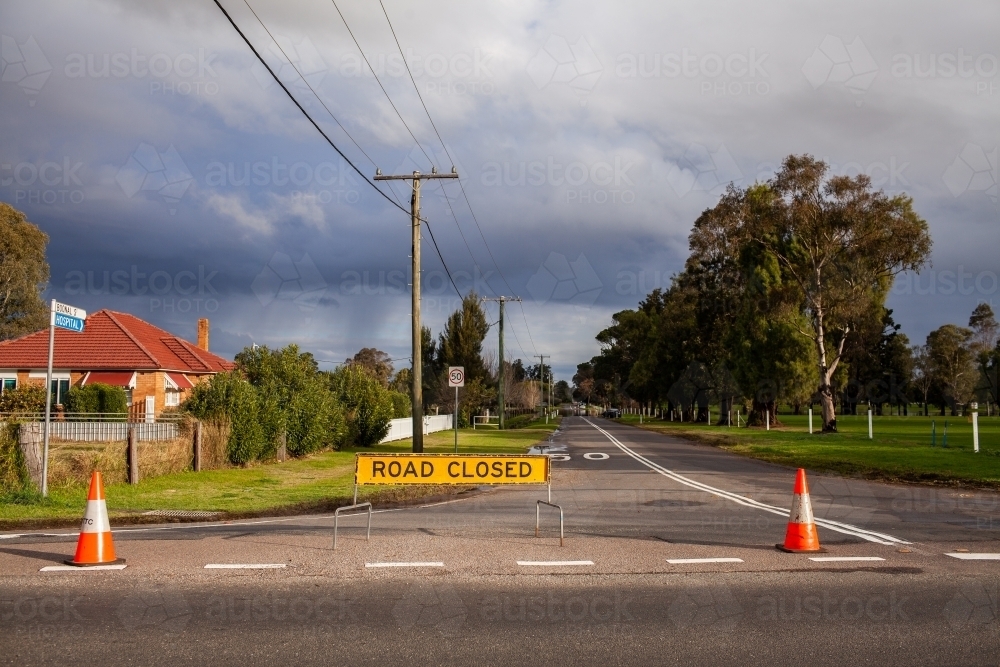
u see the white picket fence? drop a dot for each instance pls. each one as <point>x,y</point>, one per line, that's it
<point>109,431</point>
<point>400,429</point>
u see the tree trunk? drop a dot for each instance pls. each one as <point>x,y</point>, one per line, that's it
<point>827,408</point>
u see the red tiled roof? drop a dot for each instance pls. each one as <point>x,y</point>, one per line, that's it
<point>111,341</point>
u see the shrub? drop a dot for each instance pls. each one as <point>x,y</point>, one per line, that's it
<point>230,397</point>
<point>13,472</point>
<point>402,406</point>
<point>520,421</point>
<point>97,398</point>
<point>368,405</point>
<point>27,398</point>
<point>295,398</point>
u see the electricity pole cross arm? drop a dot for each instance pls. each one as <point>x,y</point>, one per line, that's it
<point>417,375</point>
<point>501,406</point>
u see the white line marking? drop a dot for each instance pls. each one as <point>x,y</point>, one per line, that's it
<point>596,456</point>
<point>843,559</point>
<point>694,561</point>
<point>73,568</point>
<point>965,556</point>
<point>837,526</point>
<point>414,564</point>
<point>245,566</point>
<point>8,537</point>
<point>555,563</point>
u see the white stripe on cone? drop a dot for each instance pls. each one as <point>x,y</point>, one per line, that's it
<point>95,519</point>
<point>802,511</point>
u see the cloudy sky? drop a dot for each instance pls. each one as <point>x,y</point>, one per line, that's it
<point>176,180</point>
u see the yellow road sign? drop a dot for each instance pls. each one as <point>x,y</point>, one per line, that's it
<point>451,469</point>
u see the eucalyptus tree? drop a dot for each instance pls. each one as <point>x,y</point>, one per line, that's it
<point>837,244</point>
<point>23,274</point>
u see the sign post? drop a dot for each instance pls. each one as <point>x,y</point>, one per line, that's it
<point>64,317</point>
<point>456,379</point>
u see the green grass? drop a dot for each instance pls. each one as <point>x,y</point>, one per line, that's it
<point>900,450</point>
<point>319,482</point>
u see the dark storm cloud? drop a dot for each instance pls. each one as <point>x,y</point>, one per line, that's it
<point>154,150</point>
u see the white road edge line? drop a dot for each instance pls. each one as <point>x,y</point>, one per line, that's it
<point>245,566</point>
<point>843,559</point>
<point>980,556</point>
<point>695,561</point>
<point>555,563</point>
<point>73,568</point>
<point>837,526</point>
<point>414,564</point>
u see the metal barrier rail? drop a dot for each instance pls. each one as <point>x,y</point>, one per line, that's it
<point>538,508</point>
<point>356,506</point>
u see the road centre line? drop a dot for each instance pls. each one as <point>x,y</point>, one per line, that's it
<point>245,566</point>
<point>843,559</point>
<point>837,526</point>
<point>974,556</point>
<point>696,561</point>
<point>74,568</point>
<point>411,564</point>
<point>555,563</point>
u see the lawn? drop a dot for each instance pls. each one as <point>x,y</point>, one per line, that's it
<point>314,483</point>
<point>900,450</point>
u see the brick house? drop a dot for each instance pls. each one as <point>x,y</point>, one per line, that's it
<point>156,368</point>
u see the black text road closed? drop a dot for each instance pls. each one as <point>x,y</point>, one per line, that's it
<point>439,469</point>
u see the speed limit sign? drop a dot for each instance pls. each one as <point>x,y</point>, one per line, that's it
<point>456,376</point>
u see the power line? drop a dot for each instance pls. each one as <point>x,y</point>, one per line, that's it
<point>380,83</point>
<point>407,65</point>
<point>337,149</point>
<point>313,90</point>
<point>304,112</point>
<point>320,130</point>
<point>450,157</point>
<point>434,241</point>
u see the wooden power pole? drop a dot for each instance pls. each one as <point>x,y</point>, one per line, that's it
<point>501,397</point>
<point>418,393</point>
<point>541,372</point>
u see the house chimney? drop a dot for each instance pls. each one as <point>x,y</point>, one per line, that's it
<point>203,333</point>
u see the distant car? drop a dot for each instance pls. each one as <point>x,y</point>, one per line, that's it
<point>612,413</point>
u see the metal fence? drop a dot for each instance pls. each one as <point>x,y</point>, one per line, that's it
<point>400,429</point>
<point>88,427</point>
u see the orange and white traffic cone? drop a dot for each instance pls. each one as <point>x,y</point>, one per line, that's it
<point>801,535</point>
<point>95,547</point>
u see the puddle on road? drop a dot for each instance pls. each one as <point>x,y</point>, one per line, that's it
<point>547,449</point>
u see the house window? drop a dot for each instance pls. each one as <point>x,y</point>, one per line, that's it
<point>59,390</point>
<point>8,384</point>
<point>173,399</point>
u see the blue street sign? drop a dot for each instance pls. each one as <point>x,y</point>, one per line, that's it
<point>67,322</point>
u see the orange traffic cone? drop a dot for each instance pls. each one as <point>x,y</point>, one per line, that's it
<point>801,535</point>
<point>95,546</point>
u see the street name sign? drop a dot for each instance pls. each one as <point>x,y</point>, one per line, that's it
<point>68,317</point>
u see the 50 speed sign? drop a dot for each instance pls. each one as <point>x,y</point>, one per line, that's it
<point>456,376</point>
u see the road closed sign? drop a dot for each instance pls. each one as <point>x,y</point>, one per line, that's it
<point>451,469</point>
<point>456,376</point>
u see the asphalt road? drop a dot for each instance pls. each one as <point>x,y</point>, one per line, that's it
<point>488,592</point>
